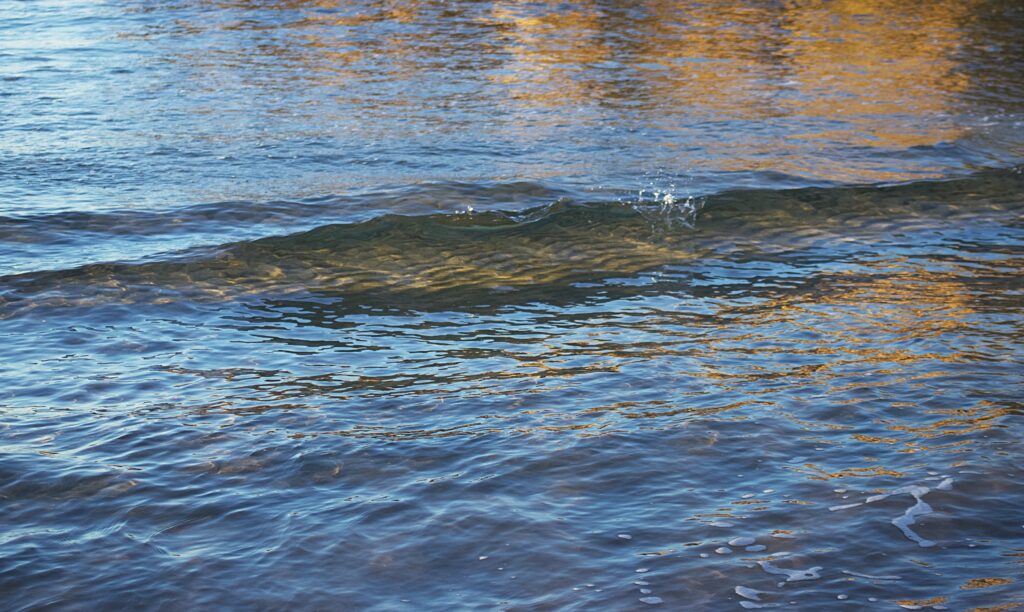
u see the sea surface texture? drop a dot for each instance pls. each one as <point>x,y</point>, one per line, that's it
<point>497,305</point>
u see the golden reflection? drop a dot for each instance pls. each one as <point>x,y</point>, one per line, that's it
<point>877,74</point>
<point>984,583</point>
<point>999,608</point>
<point>960,421</point>
<point>816,473</point>
<point>916,604</point>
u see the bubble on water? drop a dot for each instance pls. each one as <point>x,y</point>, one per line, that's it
<point>872,599</point>
<point>625,536</point>
<point>768,491</point>
<point>645,591</point>
<point>840,490</point>
<point>842,596</point>
<point>742,541</point>
<point>723,550</point>
<point>483,557</point>
<point>651,600</point>
<point>747,495</point>
<point>756,548</point>
<point>641,582</point>
<point>641,570</point>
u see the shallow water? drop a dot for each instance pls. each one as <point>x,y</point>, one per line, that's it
<point>511,305</point>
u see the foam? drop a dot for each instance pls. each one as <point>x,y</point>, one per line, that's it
<point>870,577</point>
<point>910,516</point>
<point>750,593</point>
<point>791,575</point>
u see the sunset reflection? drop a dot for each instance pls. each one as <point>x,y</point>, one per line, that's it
<point>818,89</point>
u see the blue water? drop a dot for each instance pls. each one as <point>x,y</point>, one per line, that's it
<point>494,305</point>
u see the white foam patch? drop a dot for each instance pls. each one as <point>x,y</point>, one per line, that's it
<point>871,577</point>
<point>750,605</point>
<point>845,506</point>
<point>791,575</point>
<point>750,593</point>
<point>910,516</point>
<point>651,600</point>
<point>742,541</point>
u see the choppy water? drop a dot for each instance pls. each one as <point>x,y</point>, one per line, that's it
<point>497,305</point>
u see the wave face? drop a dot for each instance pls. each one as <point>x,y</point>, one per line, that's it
<point>483,253</point>
<point>487,305</point>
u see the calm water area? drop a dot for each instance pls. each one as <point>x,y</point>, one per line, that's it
<point>501,305</point>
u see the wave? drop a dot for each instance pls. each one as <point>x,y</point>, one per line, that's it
<point>504,251</point>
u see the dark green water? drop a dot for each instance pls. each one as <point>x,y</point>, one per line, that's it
<point>511,305</point>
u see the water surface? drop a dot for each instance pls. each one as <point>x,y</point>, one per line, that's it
<point>500,305</point>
